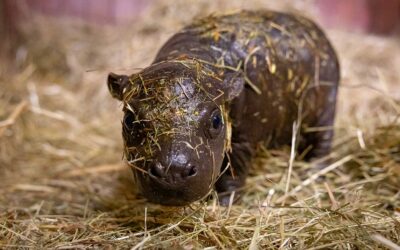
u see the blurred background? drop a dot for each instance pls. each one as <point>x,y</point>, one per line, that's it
<point>375,16</point>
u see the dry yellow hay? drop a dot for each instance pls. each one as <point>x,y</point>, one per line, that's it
<point>63,185</point>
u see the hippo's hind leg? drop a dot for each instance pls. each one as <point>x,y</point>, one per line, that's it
<point>317,132</point>
<point>234,177</point>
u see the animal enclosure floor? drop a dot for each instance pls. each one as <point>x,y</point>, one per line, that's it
<point>63,183</point>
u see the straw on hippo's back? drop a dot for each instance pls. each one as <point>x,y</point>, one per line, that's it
<point>218,89</point>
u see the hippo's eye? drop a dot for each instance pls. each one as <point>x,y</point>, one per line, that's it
<point>216,121</point>
<point>129,120</point>
<point>133,130</point>
<point>215,124</point>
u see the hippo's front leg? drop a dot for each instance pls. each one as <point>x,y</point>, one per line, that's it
<point>235,176</point>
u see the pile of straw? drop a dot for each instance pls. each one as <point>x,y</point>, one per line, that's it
<point>63,184</point>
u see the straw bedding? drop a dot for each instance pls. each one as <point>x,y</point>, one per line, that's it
<point>63,184</point>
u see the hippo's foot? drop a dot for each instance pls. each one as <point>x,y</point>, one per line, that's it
<point>229,190</point>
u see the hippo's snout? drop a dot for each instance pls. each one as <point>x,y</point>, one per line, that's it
<point>175,173</point>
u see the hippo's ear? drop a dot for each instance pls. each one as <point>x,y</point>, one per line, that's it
<point>117,85</point>
<point>233,85</point>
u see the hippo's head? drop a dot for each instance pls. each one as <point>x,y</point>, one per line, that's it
<point>175,127</point>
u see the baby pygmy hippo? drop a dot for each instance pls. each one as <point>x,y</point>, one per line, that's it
<point>216,91</point>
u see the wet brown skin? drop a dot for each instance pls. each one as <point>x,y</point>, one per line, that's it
<point>219,89</point>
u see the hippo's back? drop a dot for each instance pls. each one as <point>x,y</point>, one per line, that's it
<point>234,37</point>
<point>287,62</point>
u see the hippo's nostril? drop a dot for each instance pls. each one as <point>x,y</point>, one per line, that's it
<point>157,170</point>
<point>192,171</point>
